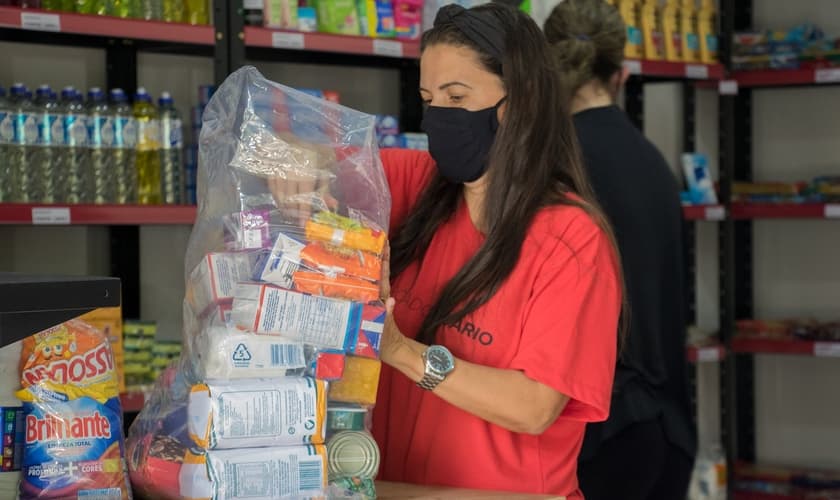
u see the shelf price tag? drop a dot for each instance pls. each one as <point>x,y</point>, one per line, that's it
<point>697,71</point>
<point>827,349</point>
<point>832,211</point>
<point>387,48</point>
<point>286,40</point>
<point>51,216</point>
<point>633,67</point>
<point>40,22</point>
<point>708,354</point>
<point>728,87</point>
<point>715,213</point>
<point>827,75</point>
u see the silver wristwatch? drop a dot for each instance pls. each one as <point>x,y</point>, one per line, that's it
<point>439,363</point>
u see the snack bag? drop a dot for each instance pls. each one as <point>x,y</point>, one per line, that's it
<point>283,273</point>
<point>73,440</point>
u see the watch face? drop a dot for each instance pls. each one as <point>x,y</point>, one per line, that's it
<point>439,359</point>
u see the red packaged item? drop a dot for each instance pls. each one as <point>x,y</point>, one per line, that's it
<point>334,260</point>
<point>339,287</point>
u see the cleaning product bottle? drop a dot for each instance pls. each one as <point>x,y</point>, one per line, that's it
<point>671,31</point>
<point>173,11</point>
<point>629,12</point>
<point>707,31</point>
<point>652,30</point>
<point>148,149</point>
<point>688,26</point>
<point>125,144</point>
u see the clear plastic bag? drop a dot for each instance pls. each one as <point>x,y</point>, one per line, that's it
<point>282,306</point>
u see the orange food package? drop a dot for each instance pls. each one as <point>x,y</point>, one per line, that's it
<point>109,320</point>
<point>345,232</point>
<point>73,357</point>
<point>334,260</point>
<point>339,287</point>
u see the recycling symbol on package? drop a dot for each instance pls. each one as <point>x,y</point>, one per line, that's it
<point>241,353</point>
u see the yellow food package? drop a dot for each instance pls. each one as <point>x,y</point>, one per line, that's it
<point>707,32</point>
<point>345,232</point>
<point>72,359</point>
<point>109,320</point>
<point>688,27</point>
<point>359,382</point>
<point>671,31</point>
<point>652,30</point>
<point>629,12</point>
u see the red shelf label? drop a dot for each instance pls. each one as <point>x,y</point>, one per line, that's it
<point>832,210</point>
<point>716,213</point>
<point>827,75</point>
<point>708,354</point>
<point>285,40</point>
<point>387,48</point>
<point>40,22</point>
<point>827,349</point>
<point>52,216</point>
<point>633,67</point>
<point>697,71</point>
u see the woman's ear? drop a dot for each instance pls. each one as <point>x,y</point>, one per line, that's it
<point>617,81</point>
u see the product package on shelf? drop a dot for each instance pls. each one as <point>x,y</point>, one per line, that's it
<point>73,444</point>
<point>282,315</point>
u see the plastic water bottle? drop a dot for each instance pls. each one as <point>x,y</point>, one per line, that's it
<point>148,149</point>
<point>101,137</point>
<point>6,134</point>
<point>151,10</point>
<point>125,142</point>
<point>42,174</point>
<point>80,185</point>
<point>24,142</point>
<point>171,152</point>
<point>197,12</point>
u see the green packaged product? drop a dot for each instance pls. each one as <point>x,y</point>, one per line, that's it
<point>338,16</point>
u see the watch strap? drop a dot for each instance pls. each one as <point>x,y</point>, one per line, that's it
<point>430,381</point>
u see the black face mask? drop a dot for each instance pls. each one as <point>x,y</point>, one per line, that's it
<point>460,140</point>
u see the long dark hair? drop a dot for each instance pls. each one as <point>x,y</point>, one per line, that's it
<point>534,163</point>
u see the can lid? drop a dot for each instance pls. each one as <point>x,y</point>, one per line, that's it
<point>352,453</point>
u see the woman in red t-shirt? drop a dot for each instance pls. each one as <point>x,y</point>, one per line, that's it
<point>501,338</point>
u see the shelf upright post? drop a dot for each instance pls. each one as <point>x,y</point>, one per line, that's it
<point>124,241</point>
<point>222,37</point>
<point>236,39</point>
<point>634,100</point>
<point>735,251</point>
<point>411,105</point>
<point>690,236</point>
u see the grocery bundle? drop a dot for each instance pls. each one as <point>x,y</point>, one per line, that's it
<point>804,45</point>
<point>73,446</point>
<point>283,318</point>
<point>670,30</point>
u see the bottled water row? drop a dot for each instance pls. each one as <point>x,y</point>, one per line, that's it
<point>68,149</point>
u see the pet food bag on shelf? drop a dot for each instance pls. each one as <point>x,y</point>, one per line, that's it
<point>74,429</point>
<point>282,314</point>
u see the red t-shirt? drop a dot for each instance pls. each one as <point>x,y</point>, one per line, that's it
<point>555,319</point>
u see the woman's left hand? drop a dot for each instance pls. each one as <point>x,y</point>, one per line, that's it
<point>393,341</point>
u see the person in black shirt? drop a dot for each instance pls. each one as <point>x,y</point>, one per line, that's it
<point>646,449</point>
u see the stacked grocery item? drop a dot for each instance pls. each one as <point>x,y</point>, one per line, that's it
<point>700,188</point>
<point>805,45</point>
<point>822,189</point>
<point>776,481</point>
<point>789,329</point>
<point>138,340</point>
<point>388,135</point>
<point>73,440</point>
<point>670,30</point>
<point>283,317</point>
<point>100,150</point>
